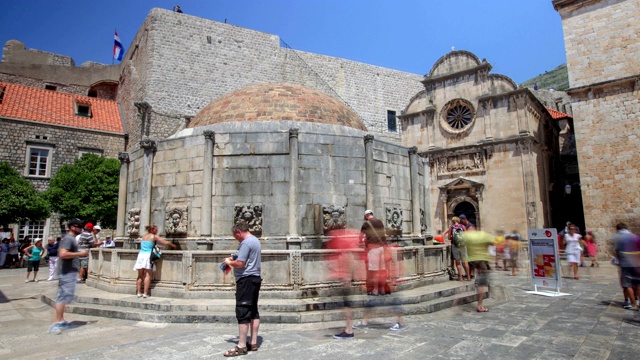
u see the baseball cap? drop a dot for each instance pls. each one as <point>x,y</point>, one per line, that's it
<point>108,236</point>
<point>75,222</point>
<point>89,226</point>
<point>97,227</point>
<point>463,217</point>
<point>368,212</point>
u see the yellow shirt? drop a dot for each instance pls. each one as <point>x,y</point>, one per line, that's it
<point>477,243</point>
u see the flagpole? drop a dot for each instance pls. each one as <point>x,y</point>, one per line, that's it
<point>112,57</point>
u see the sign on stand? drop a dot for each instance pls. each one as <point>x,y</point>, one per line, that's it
<point>546,269</point>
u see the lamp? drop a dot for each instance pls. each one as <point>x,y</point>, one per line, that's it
<point>567,189</point>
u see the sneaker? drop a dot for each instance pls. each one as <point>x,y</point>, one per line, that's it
<point>343,336</point>
<point>360,324</point>
<point>145,296</point>
<point>36,280</point>
<point>139,295</point>
<point>79,281</point>
<point>56,328</point>
<point>628,307</point>
<point>397,327</point>
<point>26,281</point>
<point>625,303</point>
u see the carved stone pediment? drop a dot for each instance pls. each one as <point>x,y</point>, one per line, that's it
<point>175,221</point>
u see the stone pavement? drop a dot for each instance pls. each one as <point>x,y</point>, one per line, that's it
<point>589,324</point>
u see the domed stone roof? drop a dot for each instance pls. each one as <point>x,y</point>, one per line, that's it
<point>273,102</point>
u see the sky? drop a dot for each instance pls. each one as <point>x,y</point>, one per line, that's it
<point>520,38</point>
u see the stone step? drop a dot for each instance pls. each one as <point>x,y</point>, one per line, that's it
<point>88,295</point>
<point>380,306</point>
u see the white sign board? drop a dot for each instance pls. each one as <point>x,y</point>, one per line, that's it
<point>544,261</point>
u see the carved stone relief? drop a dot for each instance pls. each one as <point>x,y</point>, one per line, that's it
<point>460,163</point>
<point>176,220</point>
<point>252,214</point>
<point>333,218</point>
<point>133,222</point>
<point>423,226</point>
<point>394,219</point>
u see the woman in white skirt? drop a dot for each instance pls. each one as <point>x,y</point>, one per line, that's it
<point>143,263</point>
<point>573,249</point>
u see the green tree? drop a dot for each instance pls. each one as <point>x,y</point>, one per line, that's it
<point>19,200</point>
<point>87,189</point>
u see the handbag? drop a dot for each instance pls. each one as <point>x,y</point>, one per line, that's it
<point>155,254</point>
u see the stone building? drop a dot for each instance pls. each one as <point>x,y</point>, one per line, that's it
<point>603,52</point>
<point>45,129</point>
<point>497,159</point>
<point>492,147</point>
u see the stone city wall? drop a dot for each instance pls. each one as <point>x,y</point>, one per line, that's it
<point>179,63</point>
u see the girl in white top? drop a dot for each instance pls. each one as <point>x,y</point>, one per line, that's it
<point>573,249</point>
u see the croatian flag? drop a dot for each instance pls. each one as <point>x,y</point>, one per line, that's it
<point>118,50</point>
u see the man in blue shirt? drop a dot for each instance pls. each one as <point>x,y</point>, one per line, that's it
<point>246,268</point>
<point>627,251</point>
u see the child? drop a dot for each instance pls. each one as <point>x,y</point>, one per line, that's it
<point>592,248</point>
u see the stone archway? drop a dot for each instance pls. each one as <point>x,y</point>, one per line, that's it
<point>462,196</point>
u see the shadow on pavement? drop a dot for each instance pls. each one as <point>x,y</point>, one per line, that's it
<point>4,299</point>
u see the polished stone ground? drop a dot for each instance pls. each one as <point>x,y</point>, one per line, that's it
<point>588,324</point>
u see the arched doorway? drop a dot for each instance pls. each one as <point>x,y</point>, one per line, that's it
<point>468,210</point>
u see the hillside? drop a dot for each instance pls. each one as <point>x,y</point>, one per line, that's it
<point>557,79</point>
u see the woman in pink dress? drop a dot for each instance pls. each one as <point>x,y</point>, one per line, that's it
<point>592,248</point>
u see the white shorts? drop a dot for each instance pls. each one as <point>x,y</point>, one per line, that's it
<point>376,259</point>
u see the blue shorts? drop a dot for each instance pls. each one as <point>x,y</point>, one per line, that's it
<point>66,287</point>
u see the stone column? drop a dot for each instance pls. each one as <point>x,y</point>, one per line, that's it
<point>122,194</point>
<point>427,196</point>
<point>369,166</point>
<point>415,191</point>
<point>293,182</point>
<point>487,106</point>
<point>149,146</point>
<point>207,183</point>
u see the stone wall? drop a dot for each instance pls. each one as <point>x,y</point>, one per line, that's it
<point>252,166</point>
<point>179,63</point>
<point>15,51</point>
<point>604,74</point>
<point>40,83</point>
<point>601,39</point>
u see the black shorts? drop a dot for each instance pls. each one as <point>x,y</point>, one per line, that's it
<point>33,265</point>
<point>247,293</point>
<point>482,272</point>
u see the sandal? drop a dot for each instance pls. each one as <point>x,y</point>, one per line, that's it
<point>252,347</point>
<point>484,309</point>
<point>236,351</point>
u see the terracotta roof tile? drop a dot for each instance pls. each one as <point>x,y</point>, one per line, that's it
<point>47,106</point>
<point>557,115</point>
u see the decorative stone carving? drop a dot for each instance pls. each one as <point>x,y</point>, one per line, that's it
<point>368,138</point>
<point>209,135</point>
<point>149,144</point>
<point>469,162</point>
<point>123,157</point>
<point>252,214</point>
<point>293,132</point>
<point>133,222</point>
<point>394,219</point>
<point>333,218</point>
<point>423,226</point>
<point>176,220</point>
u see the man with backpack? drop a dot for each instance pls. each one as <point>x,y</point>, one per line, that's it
<point>458,250</point>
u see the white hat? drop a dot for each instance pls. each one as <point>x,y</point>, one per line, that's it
<point>368,212</point>
<point>97,227</point>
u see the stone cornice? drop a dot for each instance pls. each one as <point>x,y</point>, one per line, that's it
<point>629,80</point>
<point>430,80</point>
<point>480,145</point>
<point>562,4</point>
<point>429,109</point>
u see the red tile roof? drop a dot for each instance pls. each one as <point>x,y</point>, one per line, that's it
<point>51,107</point>
<point>557,115</point>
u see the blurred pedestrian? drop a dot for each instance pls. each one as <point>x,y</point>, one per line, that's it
<point>477,243</point>
<point>573,249</point>
<point>25,243</point>
<point>341,260</point>
<point>13,250</point>
<point>4,251</point>
<point>627,249</point>
<point>592,248</point>
<point>69,265</point>
<point>52,252</point>
<point>374,238</point>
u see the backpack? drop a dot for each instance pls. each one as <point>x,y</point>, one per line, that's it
<point>456,236</point>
